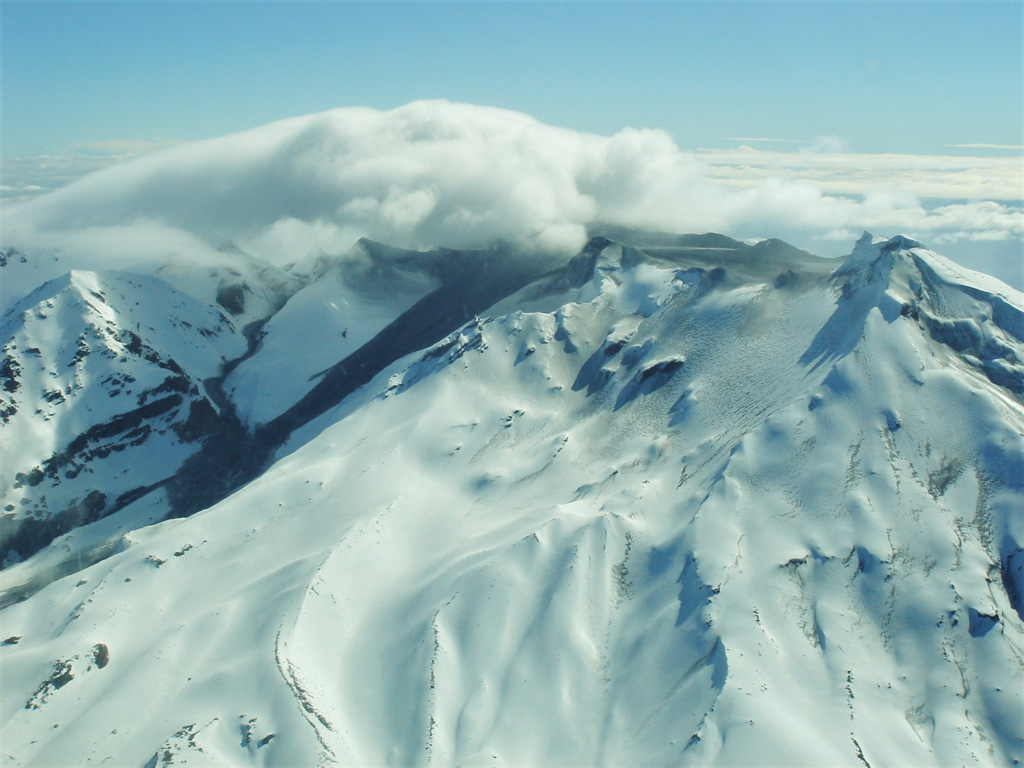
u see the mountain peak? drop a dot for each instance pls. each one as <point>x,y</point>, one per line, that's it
<point>689,487</point>
<point>901,243</point>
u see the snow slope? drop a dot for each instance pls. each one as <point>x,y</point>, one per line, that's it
<point>344,305</point>
<point>761,513</point>
<point>103,395</point>
<point>247,288</point>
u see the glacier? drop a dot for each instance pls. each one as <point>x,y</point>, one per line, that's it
<point>676,500</point>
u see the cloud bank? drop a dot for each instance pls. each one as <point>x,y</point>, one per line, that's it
<point>28,177</point>
<point>827,164</point>
<point>434,173</point>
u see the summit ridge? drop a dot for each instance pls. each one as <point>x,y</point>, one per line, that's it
<point>674,499</point>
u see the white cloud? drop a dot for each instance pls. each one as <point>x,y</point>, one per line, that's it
<point>27,177</point>
<point>1017,147</point>
<point>756,140</point>
<point>434,173</point>
<point>845,173</point>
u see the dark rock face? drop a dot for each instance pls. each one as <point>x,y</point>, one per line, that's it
<point>787,279</point>
<point>10,383</point>
<point>649,378</point>
<point>232,298</point>
<point>28,535</point>
<point>126,429</point>
<point>62,675</point>
<point>1012,574</point>
<point>10,255</point>
<point>201,421</point>
<point>9,371</point>
<point>164,420</point>
<point>100,655</point>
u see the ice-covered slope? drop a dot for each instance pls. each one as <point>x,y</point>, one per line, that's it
<point>679,514</point>
<point>141,461</point>
<point>103,395</point>
<point>345,304</point>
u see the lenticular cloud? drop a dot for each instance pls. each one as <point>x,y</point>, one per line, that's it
<point>429,174</point>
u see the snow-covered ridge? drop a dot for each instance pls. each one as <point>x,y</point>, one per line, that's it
<point>669,502</point>
<point>298,364</point>
<point>976,316</point>
<point>103,395</point>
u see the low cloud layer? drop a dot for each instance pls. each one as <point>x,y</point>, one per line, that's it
<point>435,173</point>
<point>828,164</point>
<point>28,177</point>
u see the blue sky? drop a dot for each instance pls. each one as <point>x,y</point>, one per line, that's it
<point>806,120</point>
<point>885,77</point>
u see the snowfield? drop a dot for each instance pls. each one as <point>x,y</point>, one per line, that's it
<point>675,502</point>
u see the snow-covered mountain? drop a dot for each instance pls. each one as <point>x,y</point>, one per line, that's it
<point>675,500</point>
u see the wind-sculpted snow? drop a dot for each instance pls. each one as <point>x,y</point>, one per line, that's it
<point>681,513</point>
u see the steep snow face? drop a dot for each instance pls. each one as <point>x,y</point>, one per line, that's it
<point>684,518</point>
<point>102,397</point>
<point>341,309</point>
<point>248,290</point>
<point>976,320</point>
